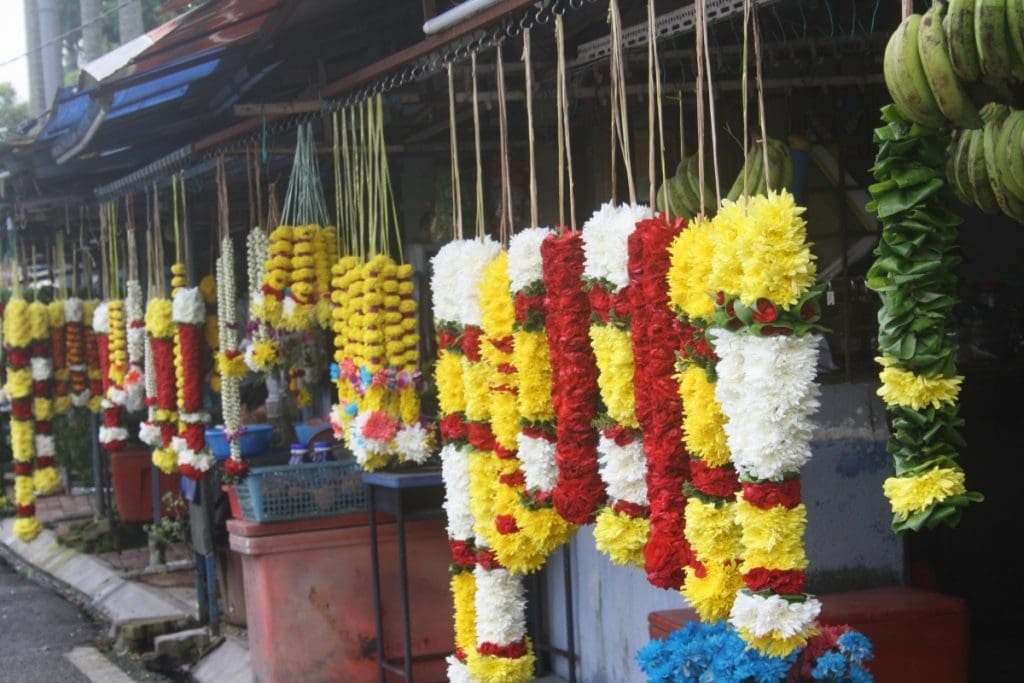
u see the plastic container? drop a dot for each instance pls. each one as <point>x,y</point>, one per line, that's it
<point>290,492</point>
<point>306,433</point>
<point>298,453</point>
<point>236,509</point>
<point>321,451</point>
<point>131,473</point>
<point>254,440</point>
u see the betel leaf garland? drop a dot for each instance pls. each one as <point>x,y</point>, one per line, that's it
<point>914,277</point>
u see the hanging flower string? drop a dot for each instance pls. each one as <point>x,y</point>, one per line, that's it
<point>713,577</point>
<point>96,362</point>
<point>230,361</point>
<point>112,435</point>
<point>579,493</point>
<point>55,312</point>
<point>655,333</point>
<point>17,334</point>
<point>159,430</point>
<point>262,354</point>
<point>75,340</point>
<point>45,476</point>
<point>622,527</point>
<point>189,313</point>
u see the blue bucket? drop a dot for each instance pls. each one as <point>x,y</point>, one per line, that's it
<point>254,440</point>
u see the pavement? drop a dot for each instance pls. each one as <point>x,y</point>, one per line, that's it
<point>109,588</point>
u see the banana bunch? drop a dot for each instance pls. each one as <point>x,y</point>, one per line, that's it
<point>932,58</point>
<point>680,194</point>
<point>780,170</point>
<point>986,166</point>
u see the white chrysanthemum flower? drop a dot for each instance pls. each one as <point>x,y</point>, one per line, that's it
<point>458,672</point>
<point>412,442</point>
<point>500,606</point>
<point>455,473</point>
<point>45,446</point>
<point>473,257</point>
<point>117,397</point>
<point>80,399</point>
<point>188,307</point>
<point>73,310</point>
<point>606,242</point>
<point>149,434</point>
<point>623,470</point>
<point>111,434</point>
<point>444,275</point>
<point>525,265</point>
<point>537,461</point>
<point>773,615</point>
<point>135,397</point>
<point>201,461</point>
<point>101,319</point>
<point>42,368</point>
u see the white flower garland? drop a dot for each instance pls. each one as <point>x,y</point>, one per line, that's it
<point>773,615</point>
<point>500,606</point>
<point>472,256</point>
<point>413,442</point>
<point>42,368</point>
<point>537,461</point>
<point>231,406</point>
<point>606,242</point>
<point>455,473</point>
<point>188,307</point>
<point>74,310</point>
<point>767,390</point>
<point>202,461</point>
<point>444,275</point>
<point>45,446</point>
<point>525,266</point>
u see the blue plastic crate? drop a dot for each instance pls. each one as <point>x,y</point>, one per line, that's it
<point>289,492</point>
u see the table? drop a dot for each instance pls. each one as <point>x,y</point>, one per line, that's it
<point>407,496</point>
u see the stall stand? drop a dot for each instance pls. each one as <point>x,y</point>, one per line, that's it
<point>309,611</point>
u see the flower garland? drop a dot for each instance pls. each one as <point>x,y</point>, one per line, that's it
<point>134,379</point>
<point>917,336</point>
<point>299,304</point>
<point>208,289</point>
<point>19,387</point>
<point>59,355</point>
<point>656,335</point>
<point>713,652</point>
<point>230,361</point>
<point>189,312</point>
<point>75,341</point>
<point>503,651</point>
<point>268,309</point>
<point>325,253</point>
<point>95,358</point>
<point>711,529</point>
<point>622,527</point>
<point>112,436</point>
<point>454,457</point>
<point>768,357</point>
<point>378,410</point>
<point>262,354</point>
<point>579,493</point>
<point>161,425</point>
<point>45,477</point>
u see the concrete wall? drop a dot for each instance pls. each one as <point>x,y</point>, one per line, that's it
<point>848,542</point>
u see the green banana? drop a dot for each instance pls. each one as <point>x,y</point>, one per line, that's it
<point>959,27</point>
<point>778,151</point>
<point>904,76</point>
<point>977,172</point>
<point>961,163</point>
<point>1015,26</point>
<point>693,175</point>
<point>949,93</point>
<point>1004,151</point>
<point>1015,153</point>
<point>951,169</point>
<point>1010,205</point>
<point>754,157</point>
<point>993,39</point>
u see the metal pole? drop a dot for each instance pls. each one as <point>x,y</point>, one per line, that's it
<point>97,474</point>
<point>403,576</point>
<point>570,635</point>
<point>378,609</point>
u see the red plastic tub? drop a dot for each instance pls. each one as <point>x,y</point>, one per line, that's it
<point>236,508</point>
<point>131,471</point>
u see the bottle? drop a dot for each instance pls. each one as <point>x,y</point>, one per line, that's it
<point>298,454</point>
<point>321,451</point>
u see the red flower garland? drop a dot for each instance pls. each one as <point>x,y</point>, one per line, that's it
<point>579,493</point>
<point>191,340</point>
<point>103,353</point>
<point>163,364</point>
<point>656,335</point>
<point>93,360</point>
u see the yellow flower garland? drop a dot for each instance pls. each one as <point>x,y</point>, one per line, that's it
<point>621,537</point>
<point>905,388</point>
<point>692,255</point>
<point>463,587</point>
<point>118,343</point>
<point>614,352</point>
<point>773,537</point>
<point>911,494</point>
<point>17,333</point>
<point>703,423</point>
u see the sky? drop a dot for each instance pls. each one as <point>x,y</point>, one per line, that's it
<point>12,44</point>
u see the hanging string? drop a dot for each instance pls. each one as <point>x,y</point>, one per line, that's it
<point>185,239</point>
<point>177,218</point>
<point>658,98</point>
<point>130,245</point>
<point>682,131</point>
<point>618,99</point>
<point>157,264</point>
<point>654,104</point>
<point>223,224</point>
<point>559,104</point>
<point>257,172</point>
<point>699,7</point>
<point>480,232</point>
<point>746,115</point>
<point>528,68</point>
<point>760,100</point>
<point>336,160</point>
<point>389,197</point>
<point>505,224</point>
<point>711,102</point>
<point>564,118</point>
<point>248,187</point>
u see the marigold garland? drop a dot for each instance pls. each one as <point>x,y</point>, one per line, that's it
<point>75,341</point>
<point>95,361</point>
<point>59,355</point>
<point>45,477</point>
<point>189,313</point>
<point>17,335</point>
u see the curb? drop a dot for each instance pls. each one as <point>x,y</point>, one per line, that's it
<point>104,593</point>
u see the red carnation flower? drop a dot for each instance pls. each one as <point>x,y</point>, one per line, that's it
<point>453,428</point>
<point>771,494</point>
<point>380,426</point>
<point>782,581</point>
<point>720,482</point>
<point>511,651</point>
<point>480,436</point>
<point>463,553</point>
<point>764,311</point>
<point>471,343</point>
<point>505,524</point>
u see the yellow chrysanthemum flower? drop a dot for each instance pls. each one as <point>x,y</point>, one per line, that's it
<point>712,531</point>
<point>621,537</point>
<point>38,321</point>
<point>16,329</point>
<point>208,289</point>
<point>158,319</point>
<point>712,595</point>
<point>530,354</point>
<point>905,388</point>
<point>908,495</point>
<point>613,351</point>
<point>772,538</point>
<point>692,260</point>
<point>494,669</point>
<point>463,586</point>
<point>777,645</point>
<point>703,421</point>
